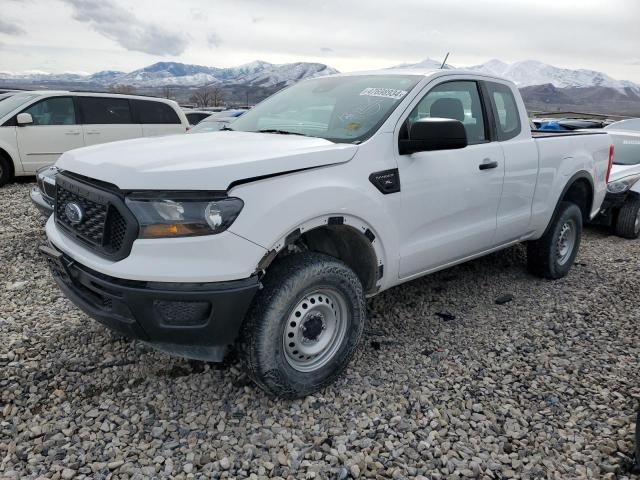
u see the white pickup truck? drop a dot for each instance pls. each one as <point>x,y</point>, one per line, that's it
<point>271,234</point>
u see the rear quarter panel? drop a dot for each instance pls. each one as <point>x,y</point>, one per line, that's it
<point>560,158</point>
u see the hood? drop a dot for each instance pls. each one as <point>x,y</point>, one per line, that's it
<point>208,161</point>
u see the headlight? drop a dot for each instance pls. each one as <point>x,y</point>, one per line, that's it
<point>183,217</point>
<point>624,184</point>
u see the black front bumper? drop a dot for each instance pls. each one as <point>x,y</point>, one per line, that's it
<point>195,320</point>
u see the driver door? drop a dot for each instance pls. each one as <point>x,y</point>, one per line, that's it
<point>450,198</point>
<point>54,131</point>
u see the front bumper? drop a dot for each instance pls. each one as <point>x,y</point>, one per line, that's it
<point>42,202</point>
<point>194,320</point>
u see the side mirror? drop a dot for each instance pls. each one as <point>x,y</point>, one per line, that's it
<point>24,119</point>
<point>430,134</point>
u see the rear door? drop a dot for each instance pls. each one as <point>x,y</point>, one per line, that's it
<point>521,161</point>
<point>107,119</point>
<point>449,197</point>
<point>157,118</point>
<point>54,131</point>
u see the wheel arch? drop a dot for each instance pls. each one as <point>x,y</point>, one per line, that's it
<point>345,237</point>
<point>579,190</point>
<point>4,154</point>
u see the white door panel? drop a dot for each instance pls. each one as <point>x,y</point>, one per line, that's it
<point>54,131</point>
<point>449,205</point>
<point>41,145</point>
<point>521,173</point>
<point>450,198</point>
<point>94,134</point>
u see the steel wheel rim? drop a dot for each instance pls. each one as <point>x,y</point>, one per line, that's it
<point>315,330</point>
<point>566,242</point>
<point>636,227</point>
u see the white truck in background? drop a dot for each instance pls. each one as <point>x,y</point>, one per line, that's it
<point>621,207</point>
<point>271,233</point>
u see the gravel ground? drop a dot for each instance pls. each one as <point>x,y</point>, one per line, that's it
<point>448,383</point>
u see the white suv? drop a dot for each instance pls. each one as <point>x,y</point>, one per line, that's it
<point>37,127</point>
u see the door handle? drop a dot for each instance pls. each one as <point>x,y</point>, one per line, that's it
<point>487,164</point>
<point>72,132</point>
<point>93,132</point>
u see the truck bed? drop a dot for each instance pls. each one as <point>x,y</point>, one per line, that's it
<point>565,133</point>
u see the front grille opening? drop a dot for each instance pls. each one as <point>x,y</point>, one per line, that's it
<point>106,226</point>
<point>116,230</point>
<point>182,314</point>
<point>49,189</point>
<point>91,228</point>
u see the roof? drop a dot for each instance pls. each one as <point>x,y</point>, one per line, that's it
<point>426,72</point>
<point>95,94</point>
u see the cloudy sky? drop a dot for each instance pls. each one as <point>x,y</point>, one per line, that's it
<point>91,35</point>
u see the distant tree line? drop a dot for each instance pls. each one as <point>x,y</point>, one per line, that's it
<point>208,97</point>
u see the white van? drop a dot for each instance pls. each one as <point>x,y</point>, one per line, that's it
<point>37,127</point>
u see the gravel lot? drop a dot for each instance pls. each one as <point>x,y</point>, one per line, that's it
<point>448,383</point>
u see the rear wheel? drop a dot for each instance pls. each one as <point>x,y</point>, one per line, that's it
<point>552,255</point>
<point>304,326</point>
<point>6,172</point>
<point>628,220</point>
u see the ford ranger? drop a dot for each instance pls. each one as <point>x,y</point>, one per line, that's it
<point>270,234</point>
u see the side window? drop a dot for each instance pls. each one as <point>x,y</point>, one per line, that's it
<point>459,101</point>
<point>505,111</point>
<point>105,110</point>
<point>53,111</point>
<point>155,112</point>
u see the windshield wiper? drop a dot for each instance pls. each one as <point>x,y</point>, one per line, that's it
<point>226,129</point>
<point>281,132</point>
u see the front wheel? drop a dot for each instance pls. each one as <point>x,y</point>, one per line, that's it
<point>552,255</point>
<point>304,326</point>
<point>5,171</point>
<point>628,219</point>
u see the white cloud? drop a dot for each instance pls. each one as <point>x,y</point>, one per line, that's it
<point>80,34</point>
<point>10,28</point>
<point>123,27</point>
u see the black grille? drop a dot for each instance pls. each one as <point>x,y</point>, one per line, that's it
<point>117,227</point>
<point>92,227</point>
<point>184,314</point>
<point>106,224</point>
<point>49,189</point>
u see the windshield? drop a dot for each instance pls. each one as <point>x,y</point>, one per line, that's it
<point>627,147</point>
<point>339,109</point>
<point>9,104</point>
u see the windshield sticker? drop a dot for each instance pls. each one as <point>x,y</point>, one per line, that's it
<point>384,93</point>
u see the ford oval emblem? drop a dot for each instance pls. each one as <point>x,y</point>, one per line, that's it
<point>74,212</point>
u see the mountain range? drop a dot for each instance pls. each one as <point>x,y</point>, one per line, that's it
<point>544,87</point>
<point>161,74</point>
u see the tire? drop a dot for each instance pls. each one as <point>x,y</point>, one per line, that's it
<point>552,255</point>
<point>291,343</point>
<point>627,223</point>
<point>6,173</point>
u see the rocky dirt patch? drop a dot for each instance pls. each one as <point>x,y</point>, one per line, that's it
<point>480,371</point>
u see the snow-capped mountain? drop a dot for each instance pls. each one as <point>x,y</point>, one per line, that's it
<point>427,63</point>
<point>530,72</point>
<point>160,74</point>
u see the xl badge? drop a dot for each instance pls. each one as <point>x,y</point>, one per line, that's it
<point>74,212</point>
